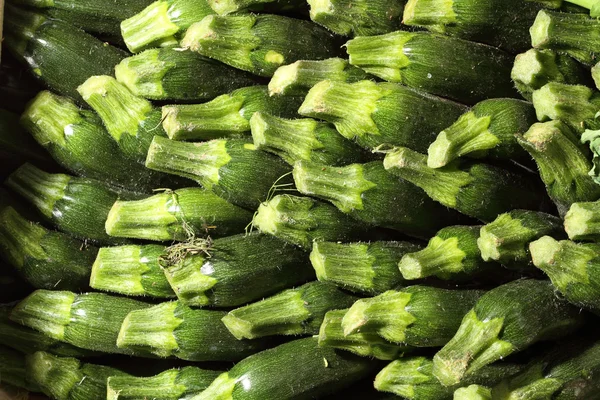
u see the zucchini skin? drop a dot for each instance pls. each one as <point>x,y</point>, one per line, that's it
<point>46,43</point>
<point>13,371</point>
<point>296,370</point>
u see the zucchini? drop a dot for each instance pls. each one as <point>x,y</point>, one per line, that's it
<point>45,43</point>
<point>574,269</point>
<point>296,370</point>
<point>78,206</point>
<point>375,114</point>
<point>259,43</point>
<point>364,344</point>
<point>17,86</point>
<point>303,220</point>
<point>226,115</point>
<point>506,239</point>
<point>171,74</point>
<point>470,72</point>
<point>232,168</point>
<point>478,190</point>
<point>12,370</point>
<point>369,267</point>
<point>298,77</point>
<point>90,320</point>
<point>173,329</point>
<point>162,23</point>
<point>486,130</point>
<point>505,320</point>
<point>580,221</point>
<point>297,311</point>
<point>362,17</point>
<point>419,316</point>
<point>562,162</point>
<point>46,259</point>
<point>368,192</point>
<point>473,392</point>
<point>176,215</point>
<point>234,270</point>
<point>303,139</point>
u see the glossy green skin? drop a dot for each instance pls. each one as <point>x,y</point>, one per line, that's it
<point>55,41</point>
<point>296,370</point>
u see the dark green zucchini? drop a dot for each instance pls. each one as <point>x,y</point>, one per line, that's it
<point>13,371</point>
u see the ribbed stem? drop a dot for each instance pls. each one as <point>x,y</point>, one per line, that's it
<point>55,375</point>
<point>582,221</point>
<point>331,334</point>
<point>191,279</point>
<point>411,378</point>
<point>429,13</point>
<point>143,73</point>
<point>12,370</point>
<point>473,392</point>
<point>19,238</point>
<point>441,257</point>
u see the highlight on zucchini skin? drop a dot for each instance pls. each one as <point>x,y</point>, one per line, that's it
<point>44,258</point>
<point>172,384</point>
<point>478,71</point>
<point>419,316</point>
<point>175,75</point>
<point>173,329</point>
<point>234,270</point>
<point>89,321</point>
<point>364,344</point>
<point>361,267</point>
<point>572,267</point>
<point>368,192</point>
<point>44,44</point>
<point>297,311</point>
<point>176,215</point>
<point>476,189</point>
<point>379,113</point>
<point>304,220</point>
<point>232,168</point>
<point>78,206</point>
<point>495,327</point>
<point>353,18</point>
<point>296,369</point>
<point>259,43</point>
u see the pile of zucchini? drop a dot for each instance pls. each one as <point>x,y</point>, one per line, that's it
<point>288,199</point>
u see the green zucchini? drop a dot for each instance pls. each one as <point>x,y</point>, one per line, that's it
<point>65,378</point>
<point>259,43</point>
<point>364,344</point>
<point>78,206</point>
<point>104,28</point>
<point>297,311</point>
<point>452,254</point>
<point>13,371</point>
<point>232,168</point>
<point>368,192</point>
<point>162,23</point>
<point>580,221</point>
<point>412,378</point>
<point>90,320</point>
<point>537,67</point>
<point>303,220</point>
<point>375,114</point>
<point>44,258</point>
<point>473,392</point>
<point>174,329</point>
<point>44,44</point>
<point>131,120</point>
<point>176,215</point>
<point>578,35</point>
<point>303,139</point>
<point>296,370</point>
<point>171,74</point>
<point>77,140</point>
<point>470,72</point>
<point>234,270</point>
<point>226,115</point>
<point>486,130</point>
<point>298,77</point>
<point>505,320</point>
<point>362,17</point>
<point>495,22</point>
<point>419,316</point>
<point>476,189</point>
<point>132,270</point>
<point>173,384</point>
<point>506,239</point>
<point>17,86</point>
<point>562,162</point>
<point>574,269</point>
<point>369,267</point>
